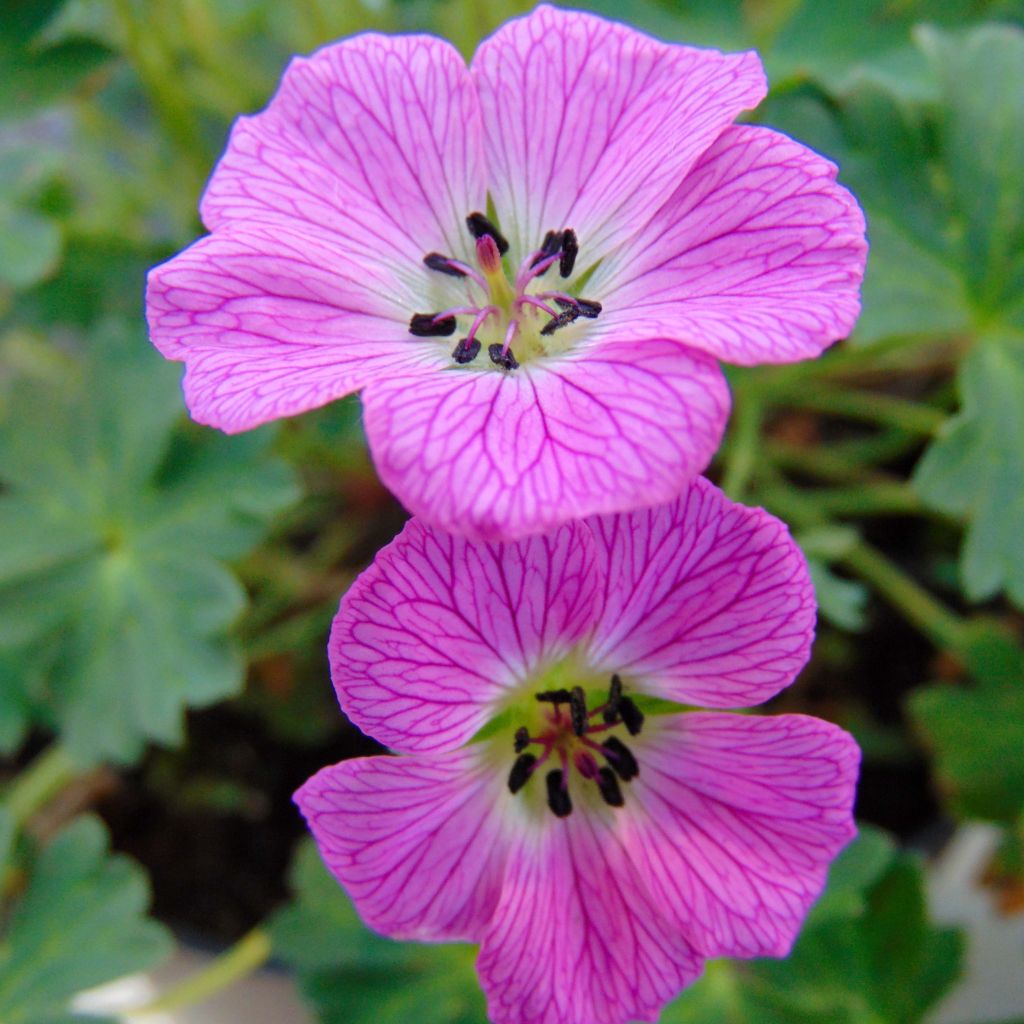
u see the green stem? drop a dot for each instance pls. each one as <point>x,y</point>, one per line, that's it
<point>945,628</point>
<point>742,453</point>
<point>878,498</point>
<point>869,407</point>
<point>247,955</point>
<point>38,783</point>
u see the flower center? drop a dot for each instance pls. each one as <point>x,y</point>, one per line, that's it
<point>571,734</point>
<point>506,313</point>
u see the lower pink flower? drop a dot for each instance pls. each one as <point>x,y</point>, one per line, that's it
<point>558,801</point>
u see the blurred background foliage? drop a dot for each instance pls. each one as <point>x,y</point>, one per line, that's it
<point>165,591</point>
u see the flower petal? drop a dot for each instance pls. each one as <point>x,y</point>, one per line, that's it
<point>590,124</point>
<point>708,602</point>
<point>757,258</point>
<point>576,937</point>
<point>738,819</point>
<point>376,138</point>
<point>272,321</point>
<point>600,429</point>
<point>431,637</point>
<point>419,843</point>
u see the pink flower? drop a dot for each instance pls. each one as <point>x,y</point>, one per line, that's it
<point>555,801</point>
<point>643,238</point>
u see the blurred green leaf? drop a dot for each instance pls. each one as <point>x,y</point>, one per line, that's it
<point>867,955</point>
<point>81,922</point>
<point>351,975</point>
<point>975,468</point>
<point>974,731</point>
<point>36,72</point>
<point>29,246</point>
<point>840,601</point>
<point>111,585</point>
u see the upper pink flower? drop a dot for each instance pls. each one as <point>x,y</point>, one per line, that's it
<point>529,267</point>
<point>598,855</point>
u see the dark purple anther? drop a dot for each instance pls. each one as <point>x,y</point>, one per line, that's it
<point>479,226</point>
<point>554,696</point>
<point>426,325</point>
<point>441,263</point>
<point>466,351</point>
<point>570,250</point>
<point>505,359</point>
<point>589,308</point>
<point>609,786</point>
<point>522,768</point>
<point>611,710</point>
<point>522,739</point>
<point>578,710</point>
<point>632,716</point>
<point>558,794</point>
<point>621,758</point>
<point>563,318</point>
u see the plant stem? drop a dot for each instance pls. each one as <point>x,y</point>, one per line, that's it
<point>869,407</point>
<point>39,782</point>
<point>870,499</point>
<point>246,956</point>
<point>945,628</point>
<point>742,453</point>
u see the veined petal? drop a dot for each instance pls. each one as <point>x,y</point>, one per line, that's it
<point>735,822</point>
<point>707,602</point>
<point>757,258</point>
<point>376,138</point>
<point>590,124</point>
<point>419,843</point>
<point>599,429</point>
<point>273,321</point>
<point>577,937</point>
<point>432,636</point>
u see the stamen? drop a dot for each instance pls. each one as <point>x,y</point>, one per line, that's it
<point>611,710</point>
<point>578,710</point>
<point>621,758</point>
<point>558,794</point>
<point>500,357</point>
<point>521,771</point>
<point>466,351</point>
<point>563,319</point>
<point>609,786</point>
<point>554,696</point>
<point>522,739</point>
<point>585,764</point>
<point>443,265</point>
<point>551,246</point>
<point>589,308</point>
<point>570,250</point>
<point>428,325</point>
<point>531,300</point>
<point>632,716</point>
<point>480,226</point>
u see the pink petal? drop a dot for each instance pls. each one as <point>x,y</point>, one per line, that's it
<point>590,124</point>
<point>600,429</point>
<point>429,640</point>
<point>376,138</point>
<point>419,843</point>
<point>738,820</point>
<point>757,258</point>
<point>272,320</point>
<point>577,937</point>
<point>708,602</point>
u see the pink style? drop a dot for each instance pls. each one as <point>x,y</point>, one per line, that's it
<point>556,798</point>
<point>529,267</point>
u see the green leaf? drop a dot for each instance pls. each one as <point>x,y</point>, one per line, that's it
<point>975,469</point>
<point>112,587</point>
<point>974,731</point>
<point>35,72</point>
<point>352,976</point>
<point>840,601</point>
<point>867,955</point>
<point>80,923</point>
<point>30,246</point>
